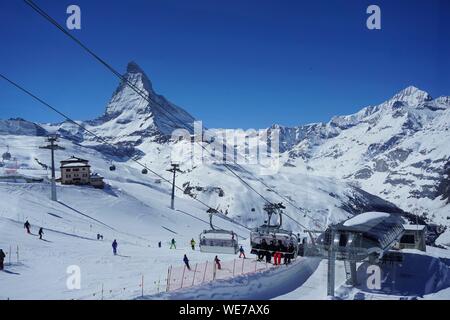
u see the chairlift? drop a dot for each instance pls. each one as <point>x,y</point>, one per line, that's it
<point>218,240</point>
<point>6,156</point>
<point>273,234</point>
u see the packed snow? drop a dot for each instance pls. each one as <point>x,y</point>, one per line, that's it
<point>365,218</point>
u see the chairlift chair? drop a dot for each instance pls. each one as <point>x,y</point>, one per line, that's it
<point>6,156</point>
<point>218,240</point>
<point>274,233</point>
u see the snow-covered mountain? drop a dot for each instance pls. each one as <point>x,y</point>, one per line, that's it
<point>398,150</point>
<point>21,127</point>
<point>129,119</point>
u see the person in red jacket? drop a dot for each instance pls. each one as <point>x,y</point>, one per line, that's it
<point>278,253</point>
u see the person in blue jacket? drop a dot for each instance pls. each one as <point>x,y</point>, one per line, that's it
<point>186,262</point>
<point>241,252</point>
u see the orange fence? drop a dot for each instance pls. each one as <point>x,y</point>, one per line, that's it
<point>182,277</point>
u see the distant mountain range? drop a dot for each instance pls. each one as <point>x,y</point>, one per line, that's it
<point>398,150</point>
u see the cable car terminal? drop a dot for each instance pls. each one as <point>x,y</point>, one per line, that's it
<point>375,237</point>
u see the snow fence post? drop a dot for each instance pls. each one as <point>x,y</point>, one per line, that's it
<point>243,261</point>
<point>214,270</point>
<point>102,292</point>
<point>142,286</point>
<point>195,271</point>
<point>9,258</point>
<point>17,252</point>
<point>234,266</point>
<point>159,281</point>
<point>182,277</point>
<point>204,273</point>
<point>169,272</point>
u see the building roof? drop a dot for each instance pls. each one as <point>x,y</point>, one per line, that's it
<point>366,218</point>
<point>375,226</point>
<point>74,159</point>
<point>74,162</point>
<point>75,165</point>
<point>414,227</point>
<point>96,176</point>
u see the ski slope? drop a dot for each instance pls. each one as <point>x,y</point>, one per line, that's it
<point>70,228</point>
<point>134,209</point>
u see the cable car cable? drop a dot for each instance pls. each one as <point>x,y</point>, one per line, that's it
<point>102,140</point>
<point>141,93</point>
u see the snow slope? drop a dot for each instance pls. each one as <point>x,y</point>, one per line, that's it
<point>71,226</point>
<point>134,209</point>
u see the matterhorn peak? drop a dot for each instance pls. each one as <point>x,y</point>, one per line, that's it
<point>126,98</point>
<point>137,76</point>
<point>412,95</point>
<point>133,67</point>
<point>138,108</point>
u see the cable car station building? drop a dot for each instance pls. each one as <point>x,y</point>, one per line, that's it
<point>375,237</point>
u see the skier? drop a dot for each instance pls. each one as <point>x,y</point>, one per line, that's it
<point>173,244</point>
<point>41,232</point>
<point>271,248</point>
<point>290,254</point>
<point>186,262</point>
<point>27,226</point>
<point>114,246</point>
<point>2,258</point>
<point>159,244</point>
<point>241,252</point>
<point>217,261</point>
<point>268,256</point>
<point>263,252</point>
<point>193,244</point>
<point>278,253</point>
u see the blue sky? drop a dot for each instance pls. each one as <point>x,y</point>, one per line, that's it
<point>234,63</point>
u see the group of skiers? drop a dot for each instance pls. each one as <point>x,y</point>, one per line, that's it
<point>216,261</point>
<point>27,226</point>
<point>275,250</point>
<point>265,250</point>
